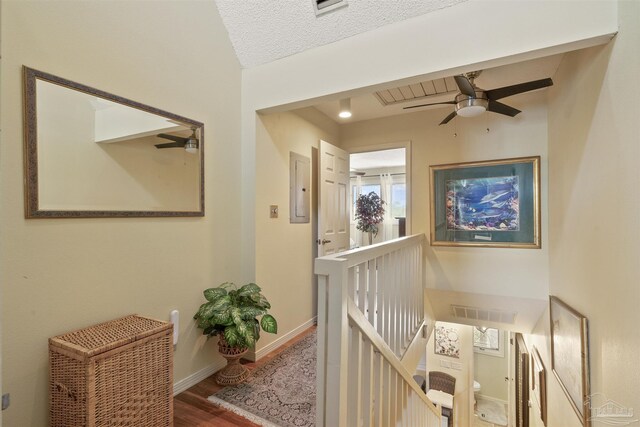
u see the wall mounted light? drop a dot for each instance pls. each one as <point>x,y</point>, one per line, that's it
<point>345,108</point>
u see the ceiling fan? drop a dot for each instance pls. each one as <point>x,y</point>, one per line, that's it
<point>472,101</point>
<point>190,144</point>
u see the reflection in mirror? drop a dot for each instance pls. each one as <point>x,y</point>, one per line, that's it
<point>93,154</point>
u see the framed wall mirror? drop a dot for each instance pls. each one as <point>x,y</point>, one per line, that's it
<point>89,153</point>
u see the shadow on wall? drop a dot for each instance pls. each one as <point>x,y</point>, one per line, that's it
<point>441,280</point>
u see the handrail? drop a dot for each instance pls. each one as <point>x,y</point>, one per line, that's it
<point>370,309</point>
<point>361,322</point>
<point>362,254</point>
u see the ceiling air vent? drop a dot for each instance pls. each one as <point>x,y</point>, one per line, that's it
<point>416,91</point>
<point>477,313</point>
<point>323,6</point>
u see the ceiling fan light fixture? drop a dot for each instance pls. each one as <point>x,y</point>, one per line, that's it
<point>191,145</point>
<point>345,108</point>
<point>470,107</point>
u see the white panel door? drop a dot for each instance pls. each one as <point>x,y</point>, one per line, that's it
<point>333,200</point>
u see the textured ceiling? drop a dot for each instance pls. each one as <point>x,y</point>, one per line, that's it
<point>262,31</point>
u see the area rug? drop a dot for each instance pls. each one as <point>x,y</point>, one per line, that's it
<point>281,393</point>
<point>491,411</point>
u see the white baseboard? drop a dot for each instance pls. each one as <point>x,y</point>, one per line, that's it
<point>196,377</point>
<point>257,355</point>
<point>493,399</point>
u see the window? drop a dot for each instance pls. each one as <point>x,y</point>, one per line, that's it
<point>398,200</point>
<point>365,189</point>
<point>488,341</point>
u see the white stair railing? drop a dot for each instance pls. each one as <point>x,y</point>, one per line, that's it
<point>370,310</point>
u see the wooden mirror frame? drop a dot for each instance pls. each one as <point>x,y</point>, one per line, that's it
<point>32,209</point>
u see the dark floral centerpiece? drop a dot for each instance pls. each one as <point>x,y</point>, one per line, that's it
<point>369,213</point>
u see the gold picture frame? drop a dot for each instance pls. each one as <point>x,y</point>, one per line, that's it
<point>492,203</point>
<point>570,362</point>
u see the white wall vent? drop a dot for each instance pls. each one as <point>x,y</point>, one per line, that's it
<point>417,91</point>
<point>477,313</point>
<point>323,6</point>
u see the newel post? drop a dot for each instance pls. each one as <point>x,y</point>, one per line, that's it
<point>333,334</point>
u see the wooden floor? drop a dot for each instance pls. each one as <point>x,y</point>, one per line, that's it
<point>191,407</point>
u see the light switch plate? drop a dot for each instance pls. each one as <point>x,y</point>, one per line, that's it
<point>273,211</point>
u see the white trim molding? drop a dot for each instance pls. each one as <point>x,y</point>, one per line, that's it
<point>254,355</point>
<point>492,399</point>
<point>196,377</point>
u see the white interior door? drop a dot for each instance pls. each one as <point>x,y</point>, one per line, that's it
<point>333,200</point>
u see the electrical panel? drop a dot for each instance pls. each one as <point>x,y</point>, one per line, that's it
<point>299,188</point>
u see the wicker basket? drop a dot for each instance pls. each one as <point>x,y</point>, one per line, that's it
<point>117,373</point>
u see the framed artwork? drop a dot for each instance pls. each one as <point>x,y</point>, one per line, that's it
<point>447,341</point>
<point>489,203</point>
<point>570,355</point>
<point>539,384</point>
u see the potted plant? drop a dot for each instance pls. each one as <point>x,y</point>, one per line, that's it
<point>369,213</point>
<point>232,315</point>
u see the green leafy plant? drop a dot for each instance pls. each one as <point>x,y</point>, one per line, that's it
<point>369,212</point>
<point>232,313</point>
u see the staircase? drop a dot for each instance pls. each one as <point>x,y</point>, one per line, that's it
<point>371,337</point>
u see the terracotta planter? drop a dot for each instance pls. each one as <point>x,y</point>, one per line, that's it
<point>234,372</point>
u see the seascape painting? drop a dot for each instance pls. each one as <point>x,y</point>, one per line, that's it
<point>486,204</point>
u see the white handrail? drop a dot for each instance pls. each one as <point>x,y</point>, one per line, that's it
<point>370,308</point>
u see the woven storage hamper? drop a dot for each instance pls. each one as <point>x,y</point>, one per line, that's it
<point>117,373</point>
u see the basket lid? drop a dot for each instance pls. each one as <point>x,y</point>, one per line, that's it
<point>109,335</point>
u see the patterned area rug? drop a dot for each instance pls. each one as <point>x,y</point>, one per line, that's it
<point>280,393</point>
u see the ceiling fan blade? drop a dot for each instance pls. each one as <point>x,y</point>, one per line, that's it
<point>171,145</point>
<point>435,103</point>
<point>172,137</point>
<point>465,86</point>
<point>503,92</point>
<point>500,108</point>
<point>448,118</point>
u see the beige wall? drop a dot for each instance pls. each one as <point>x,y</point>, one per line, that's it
<point>58,275</point>
<point>285,251</point>
<point>593,211</point>
<point>490,371</point>
<point>491,271</point>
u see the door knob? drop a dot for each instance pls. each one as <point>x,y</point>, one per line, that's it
<point>323,241</point>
